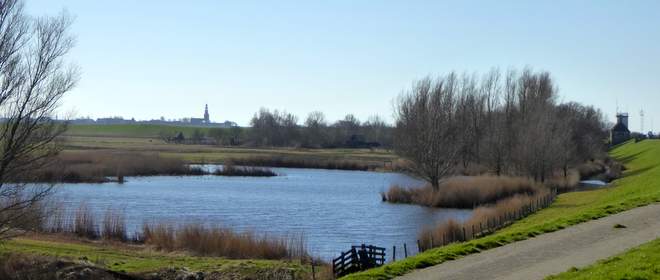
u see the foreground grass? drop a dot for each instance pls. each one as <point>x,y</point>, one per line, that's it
<point>138,260</point>
<point>638,187</point>
<point>642,262</point>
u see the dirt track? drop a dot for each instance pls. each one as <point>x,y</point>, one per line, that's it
<point>556,252</point>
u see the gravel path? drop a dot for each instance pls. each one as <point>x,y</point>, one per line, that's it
<point>555,252</point>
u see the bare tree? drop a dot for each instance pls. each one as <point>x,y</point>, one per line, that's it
<point>511,126</point>
<point>315,129</point>
<point>33,79</point>
<point>426,128</point>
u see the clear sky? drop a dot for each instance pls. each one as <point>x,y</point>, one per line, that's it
<point>147,59</point>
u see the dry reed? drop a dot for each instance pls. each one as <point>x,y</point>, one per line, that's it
<point>463,192</point>
<point>84,224</point>
<point>99,166</point>
<point>485,220</point>
<point>222,242</point>
<point>114,225</point>
<point>193,238</point>
<point>296,162</point>
<point>232,170</point>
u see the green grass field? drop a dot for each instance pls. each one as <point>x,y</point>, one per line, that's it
<point>639,186</point>
<point>642,262</point>
<point>145,138</point>
<point>130,130</point>
<point>138,260</point>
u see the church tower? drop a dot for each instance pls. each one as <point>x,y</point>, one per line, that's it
<point>206,114</point>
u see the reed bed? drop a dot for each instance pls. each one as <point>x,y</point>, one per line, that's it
<point>297,162</point>
<point>232,170</point>
<point>195,239</point>
<point>485,220</point>
<point>222,242</point>
<point>605,170</point>
<point>100,166</point>
<point>464,192</point>
<point>564,183</point>
<point>106,166</point>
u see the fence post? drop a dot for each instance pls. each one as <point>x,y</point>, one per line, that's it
<point>419,248</point>
<point>464,235</point>
<point>394,253</point>
<point>405,250</point>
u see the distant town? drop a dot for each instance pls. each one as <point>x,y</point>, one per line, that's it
<point>192,121</point>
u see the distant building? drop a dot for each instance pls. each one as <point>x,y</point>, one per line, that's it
<point>620,132</point>
<point>204,122</point>
<point>206,114</point>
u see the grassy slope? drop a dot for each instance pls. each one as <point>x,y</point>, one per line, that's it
<point>642,262</point>
<point>123,259</point>
<point>639,186</point>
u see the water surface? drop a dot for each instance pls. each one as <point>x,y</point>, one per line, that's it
<point>334,209</point>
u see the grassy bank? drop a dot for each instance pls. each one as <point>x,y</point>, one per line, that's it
<point>139,260</point>
<point>639,186</point>
<point>642,262</point>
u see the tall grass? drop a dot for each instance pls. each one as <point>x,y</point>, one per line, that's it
<point>196,239</point>
<point>232,170</point>
<point>222,242</point>
<point>464,192</point>
<point>114,225</point>
<point>296,162</point>
<point>84,224</point>
<point>99,166</point>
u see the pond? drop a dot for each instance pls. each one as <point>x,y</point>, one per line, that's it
<point>333,209</point>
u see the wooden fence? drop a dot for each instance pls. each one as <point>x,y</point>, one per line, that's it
<point>358,258</point>
<point>492,224</point>
<point>363,257</point>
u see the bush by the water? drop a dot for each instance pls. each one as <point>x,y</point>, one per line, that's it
<point>98,166</point>
<point>296,162</point>
<point>463,192</point>
<point>485,219</point>
<point>232,170</point>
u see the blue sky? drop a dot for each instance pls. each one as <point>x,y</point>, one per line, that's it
<point>147,59</point>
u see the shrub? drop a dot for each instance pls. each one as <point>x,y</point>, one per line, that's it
<point>464,192</point>
<point>295,162</point>
<point>232,170</point>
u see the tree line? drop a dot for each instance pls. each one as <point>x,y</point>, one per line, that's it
<point>273,128</point>
<point>279,128</point>
<point>510,124</point>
